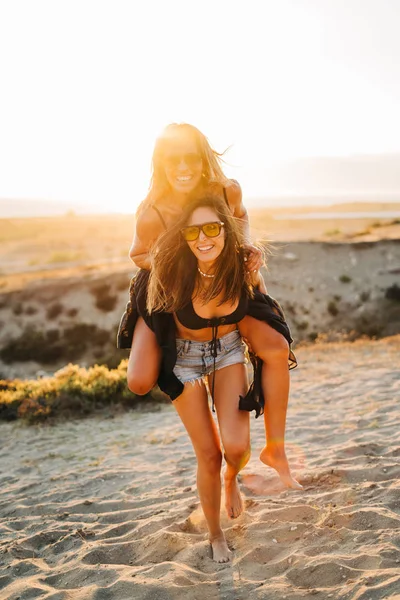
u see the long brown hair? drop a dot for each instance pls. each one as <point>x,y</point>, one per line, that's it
<point>211,159</point>
<point>174,266</point>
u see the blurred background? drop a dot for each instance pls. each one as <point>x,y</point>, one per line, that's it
<point>302,94</point>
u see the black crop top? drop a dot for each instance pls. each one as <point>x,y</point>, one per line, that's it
<point>191,320</point>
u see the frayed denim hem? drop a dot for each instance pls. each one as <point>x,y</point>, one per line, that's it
<point>193,382</point>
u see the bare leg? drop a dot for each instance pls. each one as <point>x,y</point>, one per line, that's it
<point>144,360</point>
<point>234,426</point>
<point>192,407</point>
<point>273,350</point>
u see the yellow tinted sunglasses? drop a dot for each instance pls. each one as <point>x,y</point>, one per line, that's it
<point>192,232</point>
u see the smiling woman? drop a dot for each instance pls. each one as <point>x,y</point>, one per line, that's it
<point>184,166</point>
<point>183,160</point>
<point>199,277</point>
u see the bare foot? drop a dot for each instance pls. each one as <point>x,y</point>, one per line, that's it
<point>278,461</point>
<point>220,550</point>
<point>233,498</point>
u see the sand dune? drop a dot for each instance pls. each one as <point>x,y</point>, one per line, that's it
<point>324,288</point>
<point>106,508</point>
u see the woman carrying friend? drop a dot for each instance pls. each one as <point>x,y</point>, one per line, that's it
<point>185,168</point>
<point>198,279</point>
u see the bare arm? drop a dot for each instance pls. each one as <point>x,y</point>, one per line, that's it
<point>148,228</point>
<point>235,200</point>
<point>257,280</point>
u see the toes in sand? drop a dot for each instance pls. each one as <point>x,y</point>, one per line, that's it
<point>220,550</point>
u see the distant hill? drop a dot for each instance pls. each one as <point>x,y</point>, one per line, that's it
<point>331,180</point>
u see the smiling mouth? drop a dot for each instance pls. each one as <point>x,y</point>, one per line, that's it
<point>204,248</point>
<point>183,178</point>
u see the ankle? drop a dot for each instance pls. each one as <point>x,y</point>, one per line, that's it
<point>217,535</point>
<point>230,476</point>
<point>275,450</point>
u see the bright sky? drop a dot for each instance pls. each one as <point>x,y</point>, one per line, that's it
<point>86,85</point>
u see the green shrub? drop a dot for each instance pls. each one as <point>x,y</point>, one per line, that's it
<point>344,278</point>
<point>54,310</point>
<point>105,301</point>
<point>102,289</point>
<point>18,309</point>
<point>109,359</point>
<point>50,346</point>
<point>393,292</point>
<point>365,296</point>
<point>84,334</point>
<point>332,308</point>
<point>72,391</point>
<point>365,326</point>
<point>32,344</point>
<point>290,308</point>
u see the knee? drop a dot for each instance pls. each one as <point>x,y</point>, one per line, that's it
<point>277,350</point>
<point>139,385</point>
<point>211,458</point>
<point>237,454</point>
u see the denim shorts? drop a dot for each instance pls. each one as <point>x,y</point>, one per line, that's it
<point>195,360</point>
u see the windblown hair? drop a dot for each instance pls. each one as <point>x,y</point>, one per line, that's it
<point>212,170</point>
<point>174,266</point>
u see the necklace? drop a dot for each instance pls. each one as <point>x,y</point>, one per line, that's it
<point>205,274</point>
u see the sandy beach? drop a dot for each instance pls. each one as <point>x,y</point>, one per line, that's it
<point>106,508</point>
<point>258,144</point>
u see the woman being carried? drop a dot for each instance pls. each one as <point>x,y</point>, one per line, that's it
<point>185,168</point>
<point>198,280</point>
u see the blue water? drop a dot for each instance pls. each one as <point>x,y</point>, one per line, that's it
<point>342,215</point>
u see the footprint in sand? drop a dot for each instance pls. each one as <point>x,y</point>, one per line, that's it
<point>261,486</point>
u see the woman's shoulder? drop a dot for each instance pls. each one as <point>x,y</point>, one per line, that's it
<point>233,195</point>
<point>233,190</point>
<point>147,216</point>
<point>230,187</point>
<point>145,205</point>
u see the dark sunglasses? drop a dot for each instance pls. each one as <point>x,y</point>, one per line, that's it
<point>192,232</point>
<point>191,159</point>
